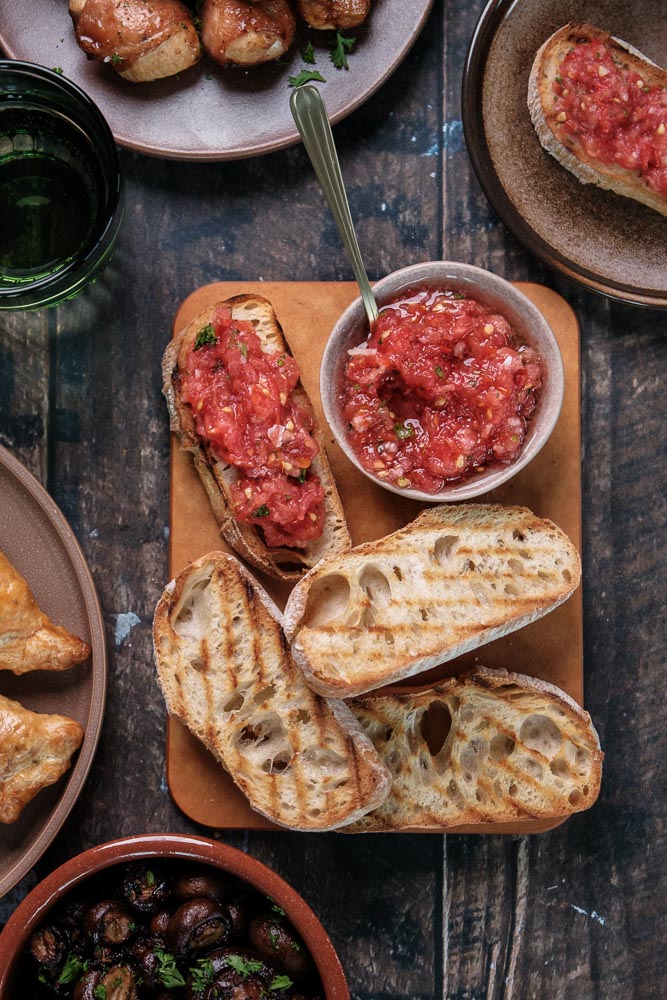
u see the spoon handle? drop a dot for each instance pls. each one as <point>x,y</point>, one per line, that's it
<point>311,119</point>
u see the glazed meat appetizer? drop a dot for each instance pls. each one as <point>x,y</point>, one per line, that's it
<point>336,14</point>
<point>29,640</point>
<point>142,40</point>
<point>241,33</point>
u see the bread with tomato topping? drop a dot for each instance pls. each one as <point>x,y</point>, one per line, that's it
<point>487,747</point>
<point>454,579</point>
<point>219,476</point>
<point>226,671</point>
<point>567,146</point>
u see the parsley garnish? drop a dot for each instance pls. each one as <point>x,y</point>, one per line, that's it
<point>302,479</point>
<point>273,937</point>
<point>403,431</point>
<point>100,992</point>
<point>305,76</point>
<point>243,348</point>
<point>150,878</point>
<point>339,50</point>
<point>203,975</point>
<point>278,909</point>
<point>458,295</point>
<point>439,372</point>
<point>71,970</point>
<point>280,983</point>
<point>242,966</point>
<point>205,336</point>
<point>58,70</point>
<point>115,59</point>
<point>280,363</point>
<point>168,974</point>
<point>308,54</point>
<point>262,511</point>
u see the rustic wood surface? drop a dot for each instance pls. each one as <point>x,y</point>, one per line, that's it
<point>576,913</point>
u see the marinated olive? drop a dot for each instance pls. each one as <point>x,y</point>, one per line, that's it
<point>146,888</point>
<point>197,925</point>
<point>109,923</point>
<point>273,937</point>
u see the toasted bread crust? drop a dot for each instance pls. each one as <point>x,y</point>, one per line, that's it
<point>565,148</point>
<point>225,670</point>
<point>452,580</point>
<point>217,476</point>
<point>517,748</point>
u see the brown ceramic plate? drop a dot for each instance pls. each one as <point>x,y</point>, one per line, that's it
<point>608,243</point>
<point>210,113</point>
<point>36,538</point>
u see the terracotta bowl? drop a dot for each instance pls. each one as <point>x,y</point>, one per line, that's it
<point>352,329</point>
<point>35,907</point>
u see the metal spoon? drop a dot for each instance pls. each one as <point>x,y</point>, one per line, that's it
<point>311,119</point>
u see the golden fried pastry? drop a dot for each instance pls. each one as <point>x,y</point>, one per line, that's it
<point>29,640</point>
<point>327,14</point>
<point>35,750</point>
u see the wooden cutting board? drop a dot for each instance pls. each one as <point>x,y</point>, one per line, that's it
<point>551,648</point>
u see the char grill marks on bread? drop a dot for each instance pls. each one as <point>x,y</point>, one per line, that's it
<point>565,147</point>
<point>218,476</point>
<point>452,580</point>
<point>488,747</point>
<point>225,670</point>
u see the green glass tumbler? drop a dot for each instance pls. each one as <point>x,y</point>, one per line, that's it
<point>61,189</point>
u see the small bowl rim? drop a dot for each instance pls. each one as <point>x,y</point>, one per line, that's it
<point>433,272</point>
<point>55,886</point>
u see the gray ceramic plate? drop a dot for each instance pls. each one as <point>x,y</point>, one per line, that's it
<point>608,243</point>
<point>38,541</point>
<point>209,113</point>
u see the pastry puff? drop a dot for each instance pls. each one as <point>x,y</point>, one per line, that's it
<point>29,640</point>
<point>35,749</point>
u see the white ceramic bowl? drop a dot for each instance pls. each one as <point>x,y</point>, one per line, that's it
<point>352,329</point>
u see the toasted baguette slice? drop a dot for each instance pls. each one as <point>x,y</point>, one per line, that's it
<point>565,147</point>
<point>487,747</point>
<point>29,640</point>
<point>225,670</point>
<point>453,579</point>
<point>217,476</point>
<point>35,750</point>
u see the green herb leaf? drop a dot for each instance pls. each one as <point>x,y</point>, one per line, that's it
<point>458,295</point>
<point>243,348</point>
<point>205,336</point>
<point>240,965</point>
<point>278,909</point>
<point>58,70</point>
<point>280,983</point>
<point>262,511</point>
<point>339,50</point>
<point>403,431</point>
<point>305,76</point>
<point>168,973</point>
<point>202,974</point>
<point>302,479</point>
<point>150,878</point>
<point>280,363</point>
<point>439,372</point>
<point>71,970</point>
<point>116,59</point>
<point>100,992</point>
<point>308,54</point>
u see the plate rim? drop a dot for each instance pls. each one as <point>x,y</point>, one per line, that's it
<point>79,773</point>
<point>260,147</point>
<point>488,23</point>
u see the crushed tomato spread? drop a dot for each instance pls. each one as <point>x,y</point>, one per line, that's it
<point>441,388</point>
<point>612,113</point>
<point>243,405</point>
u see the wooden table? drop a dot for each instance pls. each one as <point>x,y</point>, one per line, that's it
<point>576,913</point>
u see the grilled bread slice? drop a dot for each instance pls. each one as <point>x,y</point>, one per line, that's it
<point>218,476</point>
<point>566,147</point>
<point>225,670</point>
<point>453,579</point>
<point>488,747</point>
<point>35,750</point>
<point>29,640</point>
